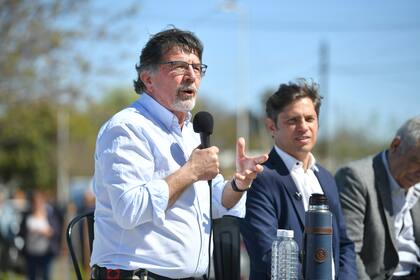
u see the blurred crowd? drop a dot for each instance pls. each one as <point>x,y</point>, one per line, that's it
<point>32,231</point>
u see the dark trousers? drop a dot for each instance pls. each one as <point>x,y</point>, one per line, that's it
<point>38,267</point>
<point>120,274</point>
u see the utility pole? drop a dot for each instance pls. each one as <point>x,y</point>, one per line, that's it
<point>242,118</point>
<point>323,88</point>
<point>242,113</point>
<point>62,156</point>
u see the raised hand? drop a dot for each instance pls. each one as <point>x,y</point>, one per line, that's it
<point>247,167</point>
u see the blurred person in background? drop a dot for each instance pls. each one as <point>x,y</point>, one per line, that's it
<point>41,230</point>
<point>279,196</point>
<point>379,195</point>
<point>11,214</point>
<point>4,242</point>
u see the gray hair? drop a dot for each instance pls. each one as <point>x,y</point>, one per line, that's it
<point>409,133</point>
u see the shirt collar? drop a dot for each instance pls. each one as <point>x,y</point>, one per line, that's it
<point>395,187</point>
<point>159,112</point>
<point>292,162</point>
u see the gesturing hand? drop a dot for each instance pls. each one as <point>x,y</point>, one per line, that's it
<point>247,168</point>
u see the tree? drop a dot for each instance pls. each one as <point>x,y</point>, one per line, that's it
<point>42,71</point>
<point>33,44</point>
<point>28,141</point>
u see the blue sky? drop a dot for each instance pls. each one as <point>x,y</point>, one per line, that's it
<point>373,53</point>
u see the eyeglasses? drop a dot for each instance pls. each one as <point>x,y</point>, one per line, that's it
<point>182,67</point>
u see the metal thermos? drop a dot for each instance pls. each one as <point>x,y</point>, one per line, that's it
<point>317,252</point>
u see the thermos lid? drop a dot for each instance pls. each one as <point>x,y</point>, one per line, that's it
<point>285,233</point>
<point>318,199</point>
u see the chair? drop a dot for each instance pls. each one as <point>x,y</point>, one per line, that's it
<point>226,254</point>
<point>82,220</point>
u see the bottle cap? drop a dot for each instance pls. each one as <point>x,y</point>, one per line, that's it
<point>318,199</point>
<point>285,233</point>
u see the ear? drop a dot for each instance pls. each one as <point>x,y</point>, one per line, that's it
<point>395,144</point>
<point>147,80</point>
<point>270,126</point>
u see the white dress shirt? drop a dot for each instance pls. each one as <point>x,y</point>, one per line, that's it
<point>306,181</point>
<point>402,202</point>
<point>135,150</point>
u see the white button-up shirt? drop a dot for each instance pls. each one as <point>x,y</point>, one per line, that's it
<point>402,202</point>
<point>305,180</point>
<point>135,150</point>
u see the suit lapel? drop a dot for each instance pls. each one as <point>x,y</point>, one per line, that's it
<point>324,186</point>
<point>290,186</point>
<point>383,189</point>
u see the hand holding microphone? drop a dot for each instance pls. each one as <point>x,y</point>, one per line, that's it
<point>205,159</point>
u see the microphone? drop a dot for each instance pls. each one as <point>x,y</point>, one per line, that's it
<point>203,124</point>
<point>298,195</point>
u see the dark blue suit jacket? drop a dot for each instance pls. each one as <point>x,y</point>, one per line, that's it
<point>272,203</point>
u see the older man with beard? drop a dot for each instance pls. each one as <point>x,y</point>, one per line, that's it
<point>152,216</point>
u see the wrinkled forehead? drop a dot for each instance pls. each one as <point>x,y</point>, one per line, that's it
<point>179,52</point>
<point>178,49</point>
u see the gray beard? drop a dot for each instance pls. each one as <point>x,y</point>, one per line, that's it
<point>183,105</point>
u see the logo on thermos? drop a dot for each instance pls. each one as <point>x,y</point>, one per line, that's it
<point>320,255</point>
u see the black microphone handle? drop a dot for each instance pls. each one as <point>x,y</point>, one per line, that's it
<point>205,140</point>
<point>205,143</point>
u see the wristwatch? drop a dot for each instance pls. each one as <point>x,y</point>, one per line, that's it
<point>235,187</point>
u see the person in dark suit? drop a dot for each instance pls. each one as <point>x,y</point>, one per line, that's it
<point>279,196</point>
<point>379,195</point>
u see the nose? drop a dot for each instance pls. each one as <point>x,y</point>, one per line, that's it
<point>190,72</point>
<point>302,124</point>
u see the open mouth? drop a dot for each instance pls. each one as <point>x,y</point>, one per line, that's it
<point>187,92</point>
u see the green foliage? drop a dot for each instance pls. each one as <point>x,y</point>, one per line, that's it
<point>28,145</point>
<point>42,72</point>
<point>31,44</point>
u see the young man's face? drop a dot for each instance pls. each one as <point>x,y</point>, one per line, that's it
<point>177,92</point>
<point>296,129</point>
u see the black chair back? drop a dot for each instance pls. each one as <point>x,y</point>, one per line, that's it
<point>226,254</point>
<point>88,218</point>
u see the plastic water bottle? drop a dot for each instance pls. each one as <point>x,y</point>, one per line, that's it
<point>285,256</point>
<point>275,254</point>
